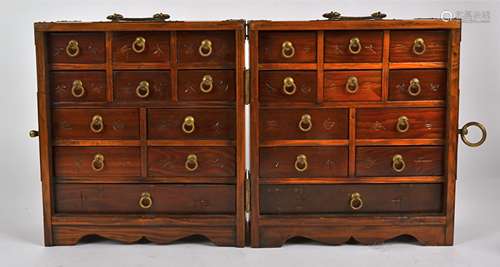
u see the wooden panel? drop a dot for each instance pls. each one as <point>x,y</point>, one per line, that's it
<point>126,83</point>
<point>436,46</point>
<point>337,46</point>
<point>156,48</point>
<point>91,46</point>
<point>369,86</point>
<point>271,43</point>
<point>63,84</point>
<point>221,87</point>
<point>223,44</point>
<point>432,85</point>
<point>271,85</point>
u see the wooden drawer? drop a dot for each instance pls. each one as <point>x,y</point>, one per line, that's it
<point>353,85</point>
<point>81,47</point>
<point>405,46</point>
<point>191,161</point>
<point>407,85</point>
<point>296,162</point>
<point>69,123</point>
<point>375,198</point>
<point>287,47</point>
<point>78,86</point>
<point>142,47</point>
<point>128,198</point>
<point>206,47</point>
<point>399,161</point>
<point>287,86</point>
<point>206,85</point>
<point>97,161</point>
<point>388,123</point>
<point>353,46</point>
<point>294,124</point>
<point>209,124</point>
<point>141,86</point>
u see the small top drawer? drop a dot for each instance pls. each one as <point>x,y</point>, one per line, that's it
<point>419,46</point>
<point>88,47</point>
<point>206,47</point>
<point>287,86</point>
<point>353,46</point>
<point>407,85</point>
<point>78,86</point>
<point>150,47</point>
<point>287,47</point>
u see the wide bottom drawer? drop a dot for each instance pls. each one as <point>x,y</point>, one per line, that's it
<point>140,198</point>
<point>351,198</point>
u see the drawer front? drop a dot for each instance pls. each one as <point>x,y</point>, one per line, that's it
<point>145,47</point>
<point>201,124</point>
<point>294,124</point>
<point>402,123</point>
<point>78,86</point>
<point>353,86</point>
<point>287,47</point>
<point>142,198</point>
<point>206,85</point>
<point>353,46</point>
<point>191,161</point>
<point>419,46</point>
<point>287,86</point>
<point>141,86</point>
<point>351,198</point>
<point>399,161</point>
<point>206,47</point>
<point>297,162</point>
<point>95,123</point>
<point>408,85</point>
<point>97,161</point>
<point>88,47</point>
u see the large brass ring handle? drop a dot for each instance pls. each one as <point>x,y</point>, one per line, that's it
<point>465,130</point>
<point>419,46</point>
<point>414,89</point>
<point>205,48</point>
<point>355,45</point>
<point>188,125</point>
<point>98,163</point>
<point>398,163</point>
<point>191,163</point>
<point>305,123</point>
<point>142,90</point>
<point>139,45</point>
<point>289,87</point>
<point>301,163</point>
<point>403,125</point>
<point>77,90</point>
<point>287,49</point>
<point>97,124</point>
<point>72,49</point>
<point>356,202</point>
<point>352,85</point>
<point>207,84</point>
<point>145,201</point>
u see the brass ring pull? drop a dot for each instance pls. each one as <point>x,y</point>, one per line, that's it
<point>355,45</point>
<point>77,90</point>
<point>139,45</point>
<point>403,125</point>
<point>98,163</point>
<point>205,48</point>
<point>142,89</point>
<point>289,87</point>
<point>352,85</point>
<point>287,49</point>
<point>356,202</point>
<point>419,46</point>
<point>97,124</point>
<point>145,201</point>
<point>414,89</point>
<point>191,163</point>
<point>398,163</point>
<point>72,49</point>
<point>188,125</point>
<point>301,163</point>
<point>465,130</point>
<point>207,84</point>
<point>306,120</point>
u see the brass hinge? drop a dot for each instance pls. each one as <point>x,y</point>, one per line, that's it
<point>247,196</point>
<point>247,87</point>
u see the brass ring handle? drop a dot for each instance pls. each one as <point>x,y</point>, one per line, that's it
<point>398,163</point>
<point>306,119</point>
<point>188,124</point>
<point>97,124</point>
<point>77,90</point>
<point>419,46</point>
<point>72,49</point>
<point>207,84</point>
<point>352,85</point>
<point>403,125</point>
<point>205,48</point>
<point>355,45</point>
<point>142,90</point>
<point>287,49</point>
<point>98,163</point>
<point>191,163</point>
<point>139,45</point>
<point>289,87</point>
<point>465,130</point>
<point>145,201</point>
<point>301,163</point>
<point>356,201</point>
<point>414,89</point>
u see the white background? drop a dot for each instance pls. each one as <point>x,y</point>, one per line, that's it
<point>477,232</point>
